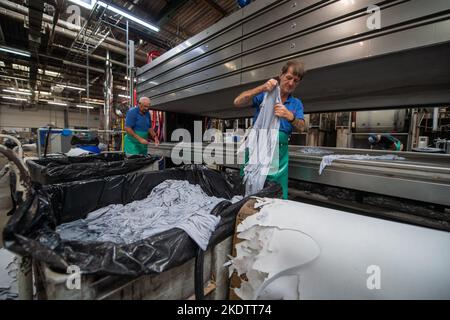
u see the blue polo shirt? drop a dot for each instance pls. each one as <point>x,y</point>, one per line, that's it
<point>292,104</point>
<point>137,121</point>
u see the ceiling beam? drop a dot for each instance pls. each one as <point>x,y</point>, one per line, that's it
<point>216,7</point>
<point>169,10</point>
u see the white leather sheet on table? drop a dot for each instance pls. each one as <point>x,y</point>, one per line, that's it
<point>294,250</point>
<point>327,160</point>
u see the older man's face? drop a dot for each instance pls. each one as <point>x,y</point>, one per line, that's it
<point>144,106</point>
<point>289,82</point>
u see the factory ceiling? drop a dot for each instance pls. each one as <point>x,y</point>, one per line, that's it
<point>49,33</point>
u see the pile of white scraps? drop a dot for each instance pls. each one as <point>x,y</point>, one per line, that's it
<point>269,255</point>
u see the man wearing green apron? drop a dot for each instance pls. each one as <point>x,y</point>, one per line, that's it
<point>138,128</point>
<point>385,141</point>
<point>290,112</point>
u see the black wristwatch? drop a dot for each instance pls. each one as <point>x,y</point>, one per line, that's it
<point>290,121</point>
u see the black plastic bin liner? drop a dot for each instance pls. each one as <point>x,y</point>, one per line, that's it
<point>31,229</point>
<point>57,169</point>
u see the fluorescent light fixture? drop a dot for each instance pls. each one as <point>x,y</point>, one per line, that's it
<point>129,16</point>
<point>123,96</point>
<point>56,103</point>
<point>15,51</point>
<point>99,102</point>
<point>18,92</point>
<point>88,4</point>
<point>84,107</point>
<point>20,67</point>
<point>14,78</point>
<point>45,93</point>
<point>70,87</point>
<point>19,89</point>
<point>14,98</point>
<point>49,73</point>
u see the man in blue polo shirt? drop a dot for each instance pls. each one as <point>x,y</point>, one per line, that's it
<point>290,112</point>
<point>138,128</point>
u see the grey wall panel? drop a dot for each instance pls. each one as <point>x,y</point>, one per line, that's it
<point>277,13</point>
<point>315,60</point>
<point>192,54</point>
<point>397,14</point>
<point>220,70</point>
<point>356,28</point>
<point>207,61</point>
<point>198,90</point>
<point>303,22</point>
<point>194,41</point>
<point>408,39</point>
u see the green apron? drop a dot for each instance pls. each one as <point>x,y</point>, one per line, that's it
<point>281,175</point>
<point>132,146</point>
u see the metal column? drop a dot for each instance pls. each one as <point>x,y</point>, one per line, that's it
<point>87,86</point>
<point>131,70</point>
<point>108,93</point>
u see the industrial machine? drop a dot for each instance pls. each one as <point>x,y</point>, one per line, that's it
<point>352,65</point>
<point>360,56</point>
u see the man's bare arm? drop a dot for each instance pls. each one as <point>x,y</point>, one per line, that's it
<point>245,98</point>
<point>152,133</point>
<point>298,124</point>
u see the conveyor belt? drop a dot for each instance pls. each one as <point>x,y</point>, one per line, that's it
<point>421,177</point>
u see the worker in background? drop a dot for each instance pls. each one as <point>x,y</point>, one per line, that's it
<point>290,112</point>
<point>385,141</point>
<point>138,129</point>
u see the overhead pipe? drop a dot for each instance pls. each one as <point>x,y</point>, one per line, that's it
<point>73,27</point>
<point>91,56</point>
<point>108,95</point>
<point>70,30</point>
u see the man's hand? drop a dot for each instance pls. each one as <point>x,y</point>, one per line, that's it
<point>269,85</point>
<point>282,112</point>
<point>156,141</point>
<point>142,140</point>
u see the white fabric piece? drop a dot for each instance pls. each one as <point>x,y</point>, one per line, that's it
<point>327,160</point>
<point>75,152</point>
<point>8,275</point>
<point>171,204</point>
<point>312,150</point>
<point>262,144</point>
<point>412,261</point>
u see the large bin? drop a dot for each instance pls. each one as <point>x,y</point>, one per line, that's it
<point>31,229</point>
<point>57,169</point>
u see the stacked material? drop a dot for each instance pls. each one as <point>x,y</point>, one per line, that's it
<point>171,204</point>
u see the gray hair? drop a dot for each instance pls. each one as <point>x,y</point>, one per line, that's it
<point>143,99</point>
